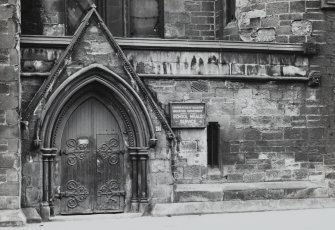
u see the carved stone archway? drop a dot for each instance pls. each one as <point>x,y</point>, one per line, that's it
<point>103,84</point>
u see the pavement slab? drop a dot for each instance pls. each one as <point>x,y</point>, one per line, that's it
<point>275,220</point>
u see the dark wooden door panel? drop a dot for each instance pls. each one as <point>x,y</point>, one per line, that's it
<point>110,193</point>
<point>77,144</point>
<point>109,161</point>
<point>92,161</point>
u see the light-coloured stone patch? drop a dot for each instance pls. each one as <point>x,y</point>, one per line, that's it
<point>260,35</point>
<point>302,27</point>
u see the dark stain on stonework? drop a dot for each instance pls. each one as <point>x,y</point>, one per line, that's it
<point>164,67</point>
<point>201,66</point>
<point>186,64</point>
<point>213,60</point>
<point>193,62</point>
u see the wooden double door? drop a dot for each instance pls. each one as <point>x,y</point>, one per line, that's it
<point>92,161</point>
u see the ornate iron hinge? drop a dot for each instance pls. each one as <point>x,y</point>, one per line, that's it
<point>75,192</point>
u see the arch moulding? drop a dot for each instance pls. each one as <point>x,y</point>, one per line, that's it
<point>124,94</point>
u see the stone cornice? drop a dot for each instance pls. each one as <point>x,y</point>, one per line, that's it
<point>171,44</point>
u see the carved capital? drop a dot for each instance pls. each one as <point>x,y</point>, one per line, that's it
<point>49,152</point>
<point>314,78</point>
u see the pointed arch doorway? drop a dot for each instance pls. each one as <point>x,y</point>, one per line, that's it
<point>102,132</point>
<point>92,160</point>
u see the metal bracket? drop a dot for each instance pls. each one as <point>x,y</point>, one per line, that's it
<point>24,124</point>
<point>58,193</point>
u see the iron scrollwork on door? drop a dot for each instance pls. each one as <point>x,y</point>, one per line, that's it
<point>109,149</point>
<point>76,192</point>
<point>110,195</point>
<point>76,149</point>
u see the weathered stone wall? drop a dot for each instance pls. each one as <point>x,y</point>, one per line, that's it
<point>43,17</point>
<point>39,60</point>
<point>325,63</point>
<point>272,21</point>
<point>182,19</point>
<point>160,180</point>
<point>220,20</point>
<point>190,19</point>
<point>214,63</point>
<point>269,131</point>
<point>260,21</point>
<point>10,152</point>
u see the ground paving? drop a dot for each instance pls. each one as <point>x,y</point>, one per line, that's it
<point>278,220</point>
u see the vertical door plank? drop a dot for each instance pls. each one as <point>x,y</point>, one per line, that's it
<point>77,181</point>
<point>109,178</point>
<point>92,166</point>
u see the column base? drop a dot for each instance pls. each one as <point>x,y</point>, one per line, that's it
<point>45,211</point>
<point>32,215</point>
<point>134,206</point>
<point>12,218</point>
<point>52,210</point>
<point>143,205</point>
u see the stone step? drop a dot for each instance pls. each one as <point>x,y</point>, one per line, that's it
<point>214,174</point>
<point>198,192</point>
<point>32,215</point>
<point>249,191</point>
<point>12,218</point>
<point>197,208</point>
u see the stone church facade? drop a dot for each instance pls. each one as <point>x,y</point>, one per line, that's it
<point>165,107</point>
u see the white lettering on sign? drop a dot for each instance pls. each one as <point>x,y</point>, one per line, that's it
<point>188,121</point>
<point>196,116</point>
<point>188,115</point>
<point>184,116</point>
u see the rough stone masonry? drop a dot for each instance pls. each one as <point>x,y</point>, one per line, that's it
<point>276,137</point>
<point>10,152</point>
<point>279,21</point>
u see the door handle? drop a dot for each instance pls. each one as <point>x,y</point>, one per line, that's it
<point>59,194</point>
<point>99,162</point>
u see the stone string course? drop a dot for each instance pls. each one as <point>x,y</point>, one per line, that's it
<point>218,63</point>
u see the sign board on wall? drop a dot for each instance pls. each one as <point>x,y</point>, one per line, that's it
<point>188,115</point>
